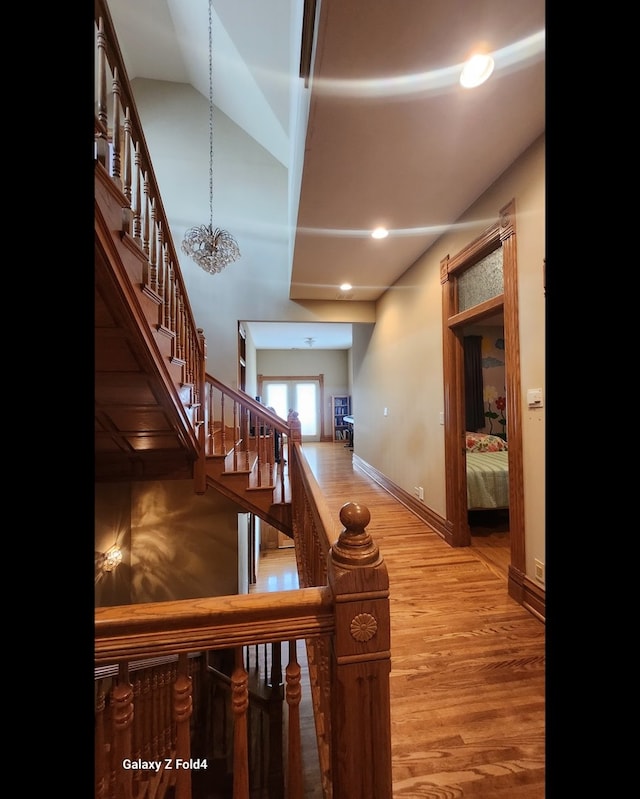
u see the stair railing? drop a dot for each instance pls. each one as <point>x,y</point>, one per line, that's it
<point>345,623</point>
<point>236,426</point>
<point>124,172</point>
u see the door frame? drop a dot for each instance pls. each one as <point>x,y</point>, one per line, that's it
<point>501,234</point>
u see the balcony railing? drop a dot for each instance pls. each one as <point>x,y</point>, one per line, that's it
<point>341,612</point>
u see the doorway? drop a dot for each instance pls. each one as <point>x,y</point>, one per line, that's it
<point>302,394</point>
<point>486,421</point>
<point>462,305</point>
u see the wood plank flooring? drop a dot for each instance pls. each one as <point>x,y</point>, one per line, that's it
<point>490,539</point>
<point>468,663</point>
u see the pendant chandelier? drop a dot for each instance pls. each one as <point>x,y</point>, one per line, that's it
<point>211,248</point>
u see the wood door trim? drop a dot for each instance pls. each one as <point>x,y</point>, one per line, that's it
<point>501,234</point>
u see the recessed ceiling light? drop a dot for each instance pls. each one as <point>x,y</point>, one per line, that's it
<point>380,233</point>
<point>346,287</point>
<point>476,70</point>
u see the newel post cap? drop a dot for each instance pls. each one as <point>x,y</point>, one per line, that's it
<point>354,546</point>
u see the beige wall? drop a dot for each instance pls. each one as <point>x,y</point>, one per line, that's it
<point>176,544</point>
<point>256,287</point>
<point>401,366</point>
<point>112,512</point>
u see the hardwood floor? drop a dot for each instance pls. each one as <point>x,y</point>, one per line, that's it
<point>468,663</point>
<point>490,539</point>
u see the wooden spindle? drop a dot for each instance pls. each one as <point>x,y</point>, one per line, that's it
<point>115,134</point>
<point>191,359</point>
<point>183,708</point>
<point>157,274</point>
<point>240,705</point>
<point>212,420</point>
<point>244,421</point>
<point>102,141</point>
<point>260,437</point>
<point>201,359</point>
<point>126,160</point>
<point>147,730</point>
<point>168,320</point>
<point>146,232</point>
<point>137,197</point>
<point>293,694</point>
<point>100,766</point>
<point>176,312</point>
<point>137,728</point>
<point>101,43</point>
<point>181,337</point>
<point>223,421</point>
<point>122,700</point>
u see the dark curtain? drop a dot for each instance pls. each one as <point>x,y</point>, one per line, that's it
<point>473,384</point>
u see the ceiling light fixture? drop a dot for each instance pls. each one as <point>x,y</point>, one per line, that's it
<point>476,70</point>
<point>211,248</point>
<point>379,233</point>
<point>346,287</point>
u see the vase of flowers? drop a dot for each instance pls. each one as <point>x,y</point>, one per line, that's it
<point>492,398</point>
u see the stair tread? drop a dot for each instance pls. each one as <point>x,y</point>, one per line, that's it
<point>268,493</point>
<point>240,462</point>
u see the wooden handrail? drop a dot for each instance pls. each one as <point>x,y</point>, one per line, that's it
<point>250,404</point>
<point>152,629</point>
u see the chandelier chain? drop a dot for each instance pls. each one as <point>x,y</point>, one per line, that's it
<point>211,248</point>
<point>210,117</point>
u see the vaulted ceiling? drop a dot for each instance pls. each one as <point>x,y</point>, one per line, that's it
<point>383,135</point>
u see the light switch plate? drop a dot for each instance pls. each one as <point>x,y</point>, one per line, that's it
<point>534,397</point>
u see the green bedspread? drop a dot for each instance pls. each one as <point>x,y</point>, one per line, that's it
<point>487,480</point>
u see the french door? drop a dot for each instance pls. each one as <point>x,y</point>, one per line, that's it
<point>299,394</point>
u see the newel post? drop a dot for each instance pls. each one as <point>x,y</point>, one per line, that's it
<point>360,663</point>
<point>295,426</point>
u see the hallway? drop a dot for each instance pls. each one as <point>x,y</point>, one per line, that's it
<point>467,676</point>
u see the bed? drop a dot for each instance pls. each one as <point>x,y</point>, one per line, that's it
<point>487,472</point>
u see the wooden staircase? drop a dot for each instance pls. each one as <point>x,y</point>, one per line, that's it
<point>241,459</point>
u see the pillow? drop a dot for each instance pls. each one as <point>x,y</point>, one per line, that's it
<point>484,442</point>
